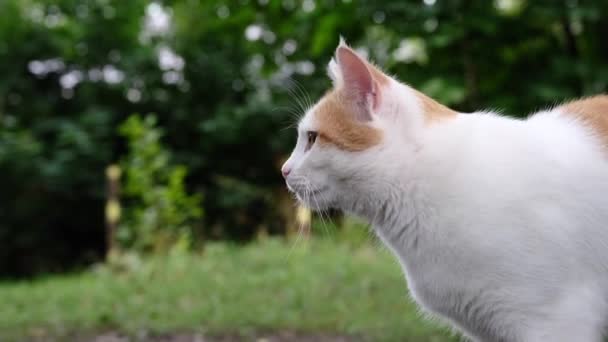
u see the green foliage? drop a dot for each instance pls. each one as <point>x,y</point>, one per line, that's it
<point>160,213</point>
<point>320,286</point>
<point>72,70</point>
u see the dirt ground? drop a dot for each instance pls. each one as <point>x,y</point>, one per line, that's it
<point>283,336</point>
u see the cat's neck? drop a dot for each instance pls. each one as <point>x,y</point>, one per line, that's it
<point>403,204</point>
<point>396,209</point>
<point>412,198</point>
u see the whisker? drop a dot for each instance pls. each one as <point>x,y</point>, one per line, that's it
<point>295,243</point>
<point>297,98</point>
<point>289,126</point>
<point>293,112</point>
<point>305,95</point>
<point>289,109</point>
<point>300,231</point>
<point>293,119</point>
<point>311,194</point>
<point>299,94</point>
<point>324,214</point>
<point>321,212</point>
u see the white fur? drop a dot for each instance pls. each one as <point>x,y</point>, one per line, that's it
<point>333,70</point>
<point>500,225</point>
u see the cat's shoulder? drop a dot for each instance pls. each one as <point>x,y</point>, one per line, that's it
<point>590,111</point>
<point>593,107</point>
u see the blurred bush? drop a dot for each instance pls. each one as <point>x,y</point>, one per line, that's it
<point>220,75</point>
<point>159,213</point>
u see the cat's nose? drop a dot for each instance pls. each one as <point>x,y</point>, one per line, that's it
<point>285,171</point>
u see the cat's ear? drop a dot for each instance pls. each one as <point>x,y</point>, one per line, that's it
<point>352,75</point>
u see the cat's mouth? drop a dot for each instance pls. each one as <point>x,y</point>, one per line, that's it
<point>315,199</point>
<point>318,191</point>
<point>307,192</point>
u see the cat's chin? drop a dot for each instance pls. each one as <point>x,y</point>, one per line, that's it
<point>314,204</point>
<point>315,207</point>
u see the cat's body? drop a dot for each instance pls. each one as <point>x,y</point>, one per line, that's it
<point>501,225</point>
<point>507,233</point>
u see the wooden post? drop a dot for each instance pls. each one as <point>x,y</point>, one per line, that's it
<point>304,219</point>
<point>112,212</point>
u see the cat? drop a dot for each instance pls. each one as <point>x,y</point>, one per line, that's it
<point>499,224</point>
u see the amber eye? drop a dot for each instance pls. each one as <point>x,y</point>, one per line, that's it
<point>312,137</point>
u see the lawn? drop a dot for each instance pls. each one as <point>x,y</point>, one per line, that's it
<point>323,285</point>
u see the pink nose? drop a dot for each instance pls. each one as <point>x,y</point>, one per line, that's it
<point>285,171</point>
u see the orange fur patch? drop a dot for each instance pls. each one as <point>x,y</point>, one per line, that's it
<point>433,110</point>
<point>337,125</point>
<point>591,111</point>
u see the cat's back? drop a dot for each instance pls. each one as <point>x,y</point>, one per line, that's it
<point>591,114</point>
<point>556,159</point>
<point>566,148</point>
<point>552,166</point>
<point>555,176</point>
<point>573,135</point>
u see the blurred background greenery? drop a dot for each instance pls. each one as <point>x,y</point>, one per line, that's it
<point>192,99</point>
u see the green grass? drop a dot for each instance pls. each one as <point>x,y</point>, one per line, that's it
<point>321,286</point>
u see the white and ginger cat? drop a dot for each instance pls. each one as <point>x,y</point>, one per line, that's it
<point>500,224</point>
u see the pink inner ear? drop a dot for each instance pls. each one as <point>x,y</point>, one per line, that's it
<point>358,82</point>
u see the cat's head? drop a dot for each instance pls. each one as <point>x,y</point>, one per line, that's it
<point>360,137</point>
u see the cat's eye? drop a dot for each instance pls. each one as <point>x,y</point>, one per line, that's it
<point>312,137</point>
